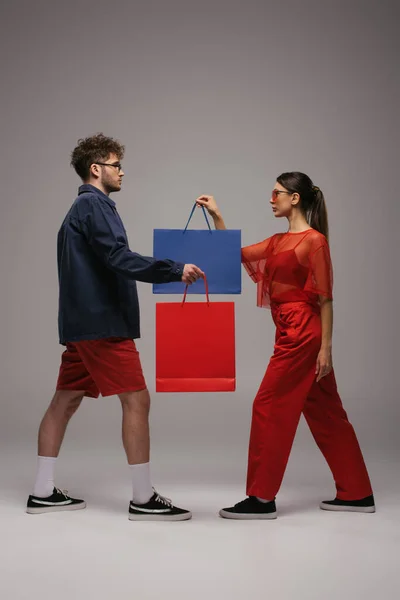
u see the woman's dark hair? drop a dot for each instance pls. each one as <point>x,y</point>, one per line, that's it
<point>96,148</point>
<point>312,201</point>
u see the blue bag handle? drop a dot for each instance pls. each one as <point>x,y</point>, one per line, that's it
<point>191,215</point>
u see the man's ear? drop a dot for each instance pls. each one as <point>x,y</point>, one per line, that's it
<point>95,171</point>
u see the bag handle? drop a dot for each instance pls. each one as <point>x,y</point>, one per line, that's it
<point>191,215</point>
<point>207,295</point>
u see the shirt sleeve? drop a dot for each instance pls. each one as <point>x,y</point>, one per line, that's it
<point>320,278</point>
<point>254,259</point>
<point>105,234</point>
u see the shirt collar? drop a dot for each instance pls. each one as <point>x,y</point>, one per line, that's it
<point>87,187</point>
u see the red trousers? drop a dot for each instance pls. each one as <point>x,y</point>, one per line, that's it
<point>289,388</point>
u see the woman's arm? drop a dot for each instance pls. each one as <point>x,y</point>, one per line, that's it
<point>209,203</point>
<point>324,360</point>
<point>254,256</point>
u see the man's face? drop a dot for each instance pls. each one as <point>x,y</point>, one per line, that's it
<point>111,174</point>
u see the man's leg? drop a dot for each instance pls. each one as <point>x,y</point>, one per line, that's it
<point>115,369</point>
<point>74,382</point>
<point>54,423</point>
<point>45,497</point>
<point>51,434</point>
<point>135,426</point>
<point>146,504</point>
<point>136,440</point>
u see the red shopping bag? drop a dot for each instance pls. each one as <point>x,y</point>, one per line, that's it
<point>195,346</point>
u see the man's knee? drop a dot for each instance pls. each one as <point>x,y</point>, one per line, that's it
<point>136,401</point>
<point>67,401</point>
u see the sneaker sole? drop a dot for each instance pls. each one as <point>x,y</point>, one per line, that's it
<point>247,517</point>
<point>337,508</point>
<point>147,517</point>
<point>48,509</point>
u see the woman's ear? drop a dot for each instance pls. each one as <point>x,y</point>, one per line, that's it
<point>295,199</point>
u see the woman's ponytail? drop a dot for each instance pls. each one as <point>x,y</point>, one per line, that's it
<point>317,216</point>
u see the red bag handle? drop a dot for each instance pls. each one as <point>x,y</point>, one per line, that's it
<point>206,286</point>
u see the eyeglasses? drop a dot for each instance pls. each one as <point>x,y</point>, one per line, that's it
<point>275,193</point>
<point>118,165</point>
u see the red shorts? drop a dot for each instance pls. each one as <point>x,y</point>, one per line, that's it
<point>107,367</point>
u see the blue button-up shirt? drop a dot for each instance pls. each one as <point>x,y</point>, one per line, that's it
<point>98,272</point>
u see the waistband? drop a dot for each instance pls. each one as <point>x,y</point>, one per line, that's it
<point>301,304</point>
<point>296,302</point>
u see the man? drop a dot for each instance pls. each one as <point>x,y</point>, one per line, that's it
<point>98,322</point>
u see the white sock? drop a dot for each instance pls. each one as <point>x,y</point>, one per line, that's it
<point>142,489</point>
<point>262,500</point>
<point>44,483</point>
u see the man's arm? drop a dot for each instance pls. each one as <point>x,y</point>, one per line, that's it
<point>105,234</point>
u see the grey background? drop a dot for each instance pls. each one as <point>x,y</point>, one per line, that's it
<point>212,97</point>
<point>209,97</point>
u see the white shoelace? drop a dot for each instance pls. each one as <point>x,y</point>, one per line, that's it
<point>162,499</point>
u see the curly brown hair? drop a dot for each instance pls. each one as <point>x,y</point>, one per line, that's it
<point>94,149</point>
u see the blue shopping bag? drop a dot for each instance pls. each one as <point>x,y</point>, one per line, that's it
<point>216,252</point>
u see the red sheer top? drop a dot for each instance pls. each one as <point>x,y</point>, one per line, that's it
<point>290,267</point>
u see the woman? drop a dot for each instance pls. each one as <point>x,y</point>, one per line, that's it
<point>294,278</point>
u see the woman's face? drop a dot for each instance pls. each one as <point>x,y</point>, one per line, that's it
<point>281,201</point>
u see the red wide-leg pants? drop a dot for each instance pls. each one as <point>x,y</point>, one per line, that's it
<point>289,388</point>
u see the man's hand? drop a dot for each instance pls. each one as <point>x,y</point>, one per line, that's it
<point>324,363</point>
<point>191,273</point>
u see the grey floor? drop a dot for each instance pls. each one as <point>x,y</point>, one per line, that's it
<point>97,553</point>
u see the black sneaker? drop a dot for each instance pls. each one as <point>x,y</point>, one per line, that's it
<point>59,500</point>
<point>251,508</point>
<point>157,508</point>
<point>365,505</point>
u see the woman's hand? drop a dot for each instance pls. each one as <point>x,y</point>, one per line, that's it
<point>211,206</point>
<point>209,203</point>
<point>324,363</point>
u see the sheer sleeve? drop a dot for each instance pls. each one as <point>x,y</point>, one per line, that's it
<point>320,278</point>
<point>254,260</point>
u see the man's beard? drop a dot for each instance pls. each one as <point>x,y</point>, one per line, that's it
<point>110,186</point>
